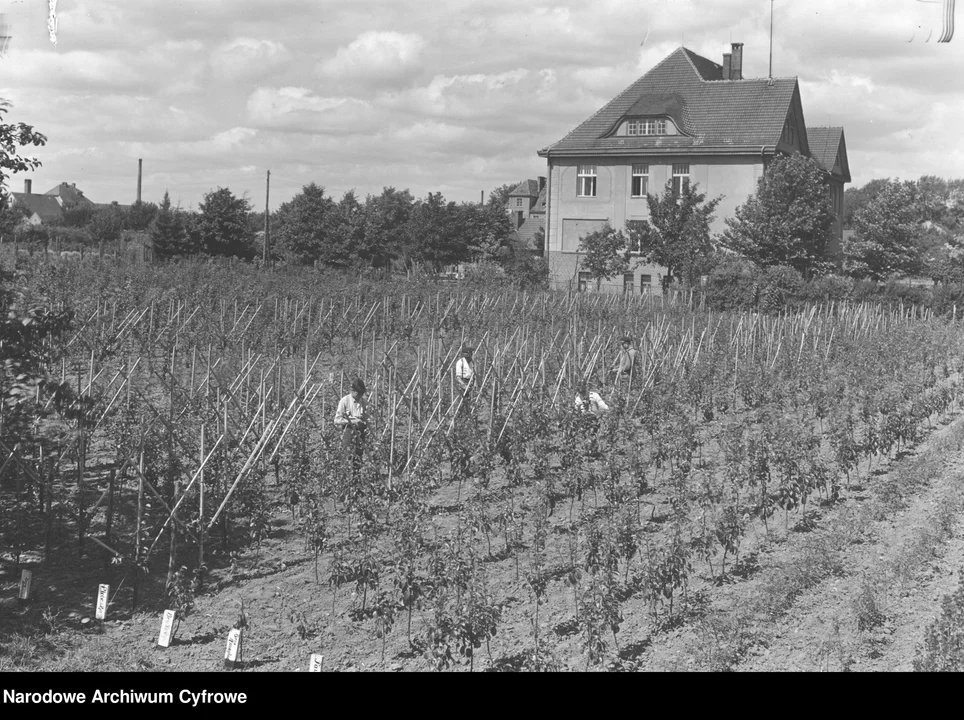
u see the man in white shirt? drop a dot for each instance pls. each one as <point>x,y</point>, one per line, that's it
<point>463,370</point>
<point>350,417</point>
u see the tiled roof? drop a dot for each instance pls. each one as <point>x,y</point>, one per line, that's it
<point>540,204</point>
<point>527,231</point>
<point>46,206</point>
<point>716,115</point>
<point>527,188</point>
<point>825,144</point>
<point>70,194</point>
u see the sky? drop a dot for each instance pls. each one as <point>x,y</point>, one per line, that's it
<point>454,97</point>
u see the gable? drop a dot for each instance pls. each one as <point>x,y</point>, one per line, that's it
<point>717,113</point>
<point>793,136</point>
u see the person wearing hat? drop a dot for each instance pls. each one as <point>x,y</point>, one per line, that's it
<point>350,417</point>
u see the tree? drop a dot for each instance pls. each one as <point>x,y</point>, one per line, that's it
<point>677,235</point>
<point>436,237</point>
<point>12,137</point>
<point>304,229</point>
<point>499,197</point>
<point>606,253</point>
<point>855,199</point>
<point>106,224</point>
<point>222,224</point>
<point>140,215</point>
<point>886,234</point>
<point>385,236</point>
<point>168,234</point>
<point>789,221</point>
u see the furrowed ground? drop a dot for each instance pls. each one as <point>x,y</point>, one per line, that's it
<point>768,492</point>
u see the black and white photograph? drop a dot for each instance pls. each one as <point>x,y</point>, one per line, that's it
<point>478,336</point>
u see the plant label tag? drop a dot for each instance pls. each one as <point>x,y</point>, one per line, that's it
<point>167,626</point>
<point>26,579</point>
<point>102,593</point>
<point>231,650</point>
<point>316,662</point>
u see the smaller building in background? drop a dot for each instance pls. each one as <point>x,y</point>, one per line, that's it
<point>49,207</point>
<point>527,210</point>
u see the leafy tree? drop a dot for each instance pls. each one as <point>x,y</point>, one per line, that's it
<point>606,253</point>
<point>386,216</point>
<point>304,229</point>
<point>500,196</point>
<point>677,235</point>
<point>350,226</point>
<point>886,233</point>
<point>140,215</point>
<point>106,224</point>
<point>168,234</point>
<point>12,137</point>
<point>789,221</point>
<point>222,224</point>
<point>855,199</point>
<point>77,216</point>
<point>11,218</point>
<point>435,234</point>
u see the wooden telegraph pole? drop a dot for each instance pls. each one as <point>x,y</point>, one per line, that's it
<point>267,225</point>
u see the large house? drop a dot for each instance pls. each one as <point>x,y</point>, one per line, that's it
<point>48,207</point>
<point>527,212</point>
<point>688,119</point>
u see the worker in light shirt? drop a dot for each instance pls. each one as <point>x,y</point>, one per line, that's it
<point>463,370</point>
<point>350,417</point>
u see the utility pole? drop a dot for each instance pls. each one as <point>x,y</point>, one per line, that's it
<point>267,225</point>
<point>771,38</point>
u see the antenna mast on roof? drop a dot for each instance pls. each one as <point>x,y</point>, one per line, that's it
<point>771,39</point>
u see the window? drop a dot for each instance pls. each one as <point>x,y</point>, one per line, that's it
<point>645,284</point>
<point>586,181</point>
<point>681,176</point>
<point>628,281</point>
<point>584,278</point>
<point>646,127</point>
<point>518,202</point>
<point>640,180</point>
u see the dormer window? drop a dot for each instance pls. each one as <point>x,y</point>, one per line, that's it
<point>646,127</point>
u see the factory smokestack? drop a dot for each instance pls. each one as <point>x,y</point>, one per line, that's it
<point>140,169</point>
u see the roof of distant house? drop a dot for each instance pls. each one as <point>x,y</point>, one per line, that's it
<point>825,145</point>
<point>712,113</point>
<point>46,207</point>
<point>528,188</point>
<point>70,194</point>
<point>528,230</point>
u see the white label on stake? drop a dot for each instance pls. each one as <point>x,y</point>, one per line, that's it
<point>234,640</point>
<point>26,578</point>
<point>102,592</point>
<point>167,626</point>
<point>315,663</point>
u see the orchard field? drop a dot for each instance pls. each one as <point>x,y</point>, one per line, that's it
<point>768,491</point>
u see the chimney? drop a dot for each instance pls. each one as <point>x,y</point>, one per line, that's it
<point>140,169</point>
<point>542,183</point>
<point>736,65</point>
<point>726,66</point>
<point>27,186</point>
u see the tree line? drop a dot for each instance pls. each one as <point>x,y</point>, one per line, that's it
<point>894,228</point>
<point>390,229</point>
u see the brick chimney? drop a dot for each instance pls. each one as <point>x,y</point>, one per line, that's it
<point>27,186</point>
<point>140,171</point>
<point>726,66</point>
<point>542,183</point>
<point>736,64</point>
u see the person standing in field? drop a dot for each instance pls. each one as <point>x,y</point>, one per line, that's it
<point>464,371</point>
<point>464,374</point>
<point>350,417</point>
<point>625,366</point>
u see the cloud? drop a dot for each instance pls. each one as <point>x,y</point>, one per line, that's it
<point>248,59</point>
<point>301,110</point>
<point>376,58</point>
